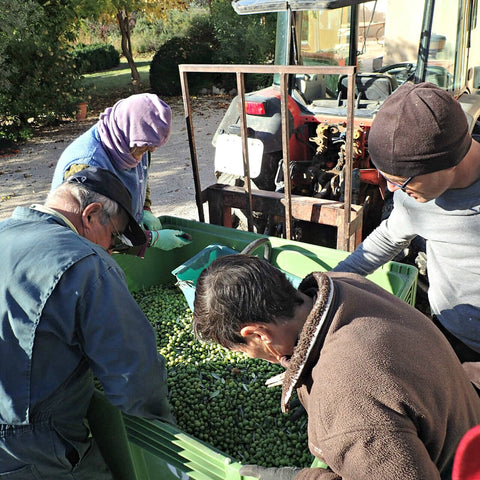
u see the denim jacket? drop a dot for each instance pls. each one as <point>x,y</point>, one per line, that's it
<point>87,149</point>
<point>64,303</point>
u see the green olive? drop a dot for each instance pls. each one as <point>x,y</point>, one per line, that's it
<point>219,396</point>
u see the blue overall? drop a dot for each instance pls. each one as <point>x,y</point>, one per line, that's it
<point>65,316</point>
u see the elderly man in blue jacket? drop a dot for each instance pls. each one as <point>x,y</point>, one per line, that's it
<point>66,316</point>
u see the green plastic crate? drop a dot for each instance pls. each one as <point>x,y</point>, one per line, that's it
<point>187,274</point>
<point>138,449</point>
<point>292,257</point>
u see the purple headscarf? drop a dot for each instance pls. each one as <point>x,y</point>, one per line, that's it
<point>137,121</point>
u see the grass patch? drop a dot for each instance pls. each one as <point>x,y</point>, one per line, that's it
<point>119,78</point>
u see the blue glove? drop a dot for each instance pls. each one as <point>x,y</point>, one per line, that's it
<point>263,473</point>
<point>150,221</point>
<point>169,239</point>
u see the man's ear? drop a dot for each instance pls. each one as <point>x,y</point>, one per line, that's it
<point>261,331</point>
<point>89,211</point>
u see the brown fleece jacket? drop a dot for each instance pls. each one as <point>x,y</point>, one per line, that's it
<point>386,397</point>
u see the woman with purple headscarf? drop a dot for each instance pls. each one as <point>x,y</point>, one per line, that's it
<point>122,141</point>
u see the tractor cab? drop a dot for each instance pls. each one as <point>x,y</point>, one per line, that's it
<point>389,44</point>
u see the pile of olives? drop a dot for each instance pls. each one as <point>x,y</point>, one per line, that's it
<point>218,396</point>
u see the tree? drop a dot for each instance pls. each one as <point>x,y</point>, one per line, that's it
<point>248,39</point>
<point>122,11</point>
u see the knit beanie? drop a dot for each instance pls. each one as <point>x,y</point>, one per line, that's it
<point>419,129</point>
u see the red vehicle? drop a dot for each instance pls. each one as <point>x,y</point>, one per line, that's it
<point>341,33</point>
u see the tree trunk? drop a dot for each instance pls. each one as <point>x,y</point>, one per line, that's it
<point>124,23</point>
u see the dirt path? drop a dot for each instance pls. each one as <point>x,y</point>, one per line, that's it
<point>25,176</point>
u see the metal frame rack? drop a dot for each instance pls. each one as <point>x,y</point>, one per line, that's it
<point>347,218</point>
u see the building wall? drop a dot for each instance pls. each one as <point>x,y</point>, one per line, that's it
<point>402,30</point>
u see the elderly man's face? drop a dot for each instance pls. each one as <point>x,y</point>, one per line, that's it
<point>100,228</point>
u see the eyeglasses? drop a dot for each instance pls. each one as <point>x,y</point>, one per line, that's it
<point>402,186</point>
<point>119,238</point>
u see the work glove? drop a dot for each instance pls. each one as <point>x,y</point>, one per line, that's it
<point>263,473</point>
<point>421,262</point>
<point>168,239</point>
<point>150,221</point>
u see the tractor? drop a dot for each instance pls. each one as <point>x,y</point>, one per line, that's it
<point>389,43</point>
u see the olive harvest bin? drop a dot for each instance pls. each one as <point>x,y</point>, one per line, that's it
<point>138,449</point>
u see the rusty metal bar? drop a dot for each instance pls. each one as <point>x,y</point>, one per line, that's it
<point>286,155</point>
<point>287,184</point>
<point>222,198</point>
<point>270,69</point>
<point>191,143</point>
<point>347,169</point>
<point>246,165</point>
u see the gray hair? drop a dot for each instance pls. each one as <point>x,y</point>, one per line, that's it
<point>77,197</point>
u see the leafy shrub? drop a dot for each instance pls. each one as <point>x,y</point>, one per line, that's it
<point>95,57</point>
<point>219,37</point>
<point>248,39</point>
<point>145,42</point>
<point>39,84</point>
<point>149,35</point>
<point>197,46</point>
<point>164,79</point>
<point>243,39</point>
<point>104,30</point>
<point>146,34</point>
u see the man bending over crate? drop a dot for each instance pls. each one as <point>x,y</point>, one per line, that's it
<point>66,315</point>
<point>386,396</point>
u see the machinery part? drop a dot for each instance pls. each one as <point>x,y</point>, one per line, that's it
<point>401,71</point>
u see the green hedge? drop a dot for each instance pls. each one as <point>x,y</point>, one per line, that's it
<point>39,84</point>
<point>219,37</point>
<point>198,46</point>
<point>95,57</point>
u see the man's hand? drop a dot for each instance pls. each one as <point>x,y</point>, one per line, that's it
<point>150,221</point>
<point>169,239</point>
<point>263,473</point>
<point>421,263</point>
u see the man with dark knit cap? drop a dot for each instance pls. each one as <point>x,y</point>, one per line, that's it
<point>420,143</point>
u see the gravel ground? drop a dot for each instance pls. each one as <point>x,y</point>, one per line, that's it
<point>26,173</point>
